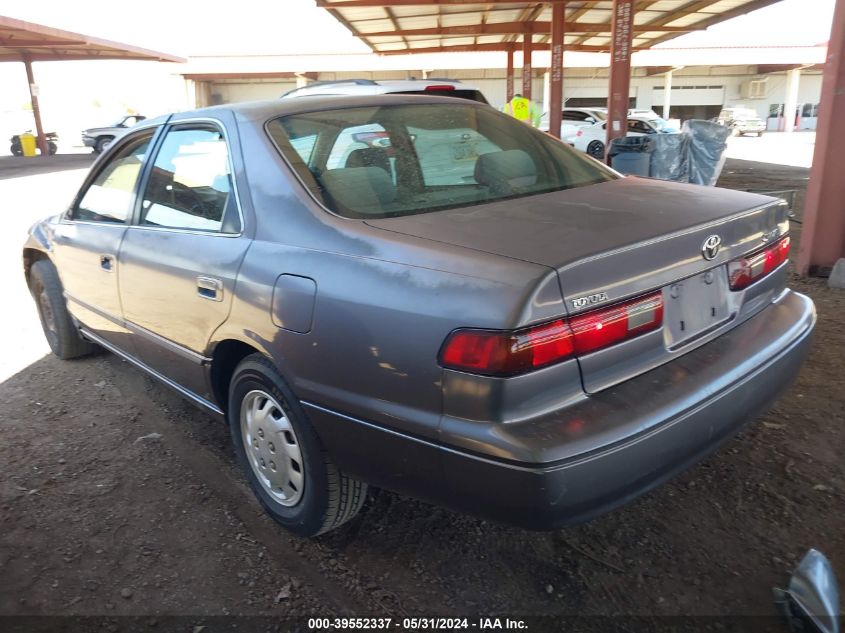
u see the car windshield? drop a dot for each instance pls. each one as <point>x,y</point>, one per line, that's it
<point>396,160</point>
<point>598,115</point>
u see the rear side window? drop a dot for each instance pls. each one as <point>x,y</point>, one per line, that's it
<point>190,185</point>
<point>109,198</point>
<point>304,146</point>
<point>396,160</point>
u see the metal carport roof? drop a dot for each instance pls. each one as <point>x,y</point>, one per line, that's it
<point>414,26</point>
<point>21,40</point>
<point>27,42</point>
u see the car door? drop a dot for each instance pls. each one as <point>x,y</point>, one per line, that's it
<point>181,254</point>
<point>88,238</point>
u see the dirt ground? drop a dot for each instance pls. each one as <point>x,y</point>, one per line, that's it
<point>117,497</point>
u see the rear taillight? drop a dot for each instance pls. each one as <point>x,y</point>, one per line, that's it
<point>746,270</point>
<point>608,326</point>
<point>437,88</point>
<point>504,353</point>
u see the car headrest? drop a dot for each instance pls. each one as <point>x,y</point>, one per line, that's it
<point>369,157</point>
<point>505,171</point>
<point>360,189</point>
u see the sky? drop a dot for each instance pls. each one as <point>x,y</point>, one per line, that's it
<point>194,27</point>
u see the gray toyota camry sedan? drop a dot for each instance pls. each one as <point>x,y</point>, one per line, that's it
<point>422,294</point>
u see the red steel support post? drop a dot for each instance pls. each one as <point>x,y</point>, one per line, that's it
<point>556,70</point>
<point>620,69</point>
<point>527,74</point>
<point>823,231</point>
<point>36,112</point>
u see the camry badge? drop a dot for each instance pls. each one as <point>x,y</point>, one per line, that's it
<point>583,302</point>
<point>711,247</point>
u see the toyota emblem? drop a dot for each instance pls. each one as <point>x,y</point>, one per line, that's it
<point>711,247</point>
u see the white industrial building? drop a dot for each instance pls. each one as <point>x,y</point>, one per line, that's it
<point>763,78</point>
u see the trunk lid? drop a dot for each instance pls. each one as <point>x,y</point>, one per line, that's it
<point>620,239</point>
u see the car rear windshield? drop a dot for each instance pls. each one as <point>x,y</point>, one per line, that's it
<point>395,160</point>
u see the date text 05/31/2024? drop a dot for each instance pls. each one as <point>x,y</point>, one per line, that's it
<point>417,624</point>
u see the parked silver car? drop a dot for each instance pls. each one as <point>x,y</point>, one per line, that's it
<point>742,121</point>
<point>99,138</point>
<point>421,294</point>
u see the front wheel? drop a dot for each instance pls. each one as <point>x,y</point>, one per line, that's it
<point>280,453</point>
<point>52,148</point>
<point>16,150</point>
<point>59,329</point>
<point>596,150</point>
<point>102,143</point>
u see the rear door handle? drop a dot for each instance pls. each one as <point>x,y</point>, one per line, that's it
<point>106,262</point>
<point>210,288</point>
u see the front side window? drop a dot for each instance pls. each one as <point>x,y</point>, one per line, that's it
<point>395,160</point>
<point>109,198</point>
<point>190,186</point>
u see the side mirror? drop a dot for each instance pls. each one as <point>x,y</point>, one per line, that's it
<point>811,601</point>
<point>590,119</point>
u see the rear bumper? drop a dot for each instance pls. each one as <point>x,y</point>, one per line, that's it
<point>670,418</point>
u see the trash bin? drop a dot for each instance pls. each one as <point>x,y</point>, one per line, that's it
<point>632,164</point>
<point>28,144</point>
<point>631,155</point>
<point>670,158</point>
<point>707,144</point>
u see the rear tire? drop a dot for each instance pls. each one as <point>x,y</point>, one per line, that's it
<point>278,450</point>
<point>596,150</point>
<point>52,148</point>
<point>59,329</point>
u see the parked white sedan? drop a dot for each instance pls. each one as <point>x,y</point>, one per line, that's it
<point>591,139</point>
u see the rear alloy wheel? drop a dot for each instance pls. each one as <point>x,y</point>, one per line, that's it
<point>281,455</point>
<point>596,150</point>
<point>59,329</point>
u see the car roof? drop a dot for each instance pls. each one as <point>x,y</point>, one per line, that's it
<point>266,110</point>
<point>371,86</point>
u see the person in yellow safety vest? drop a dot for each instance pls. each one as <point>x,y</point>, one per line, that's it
<point>523,109</point>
